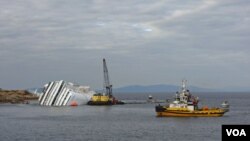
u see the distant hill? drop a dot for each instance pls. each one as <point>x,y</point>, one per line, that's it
<point>236,89</point>
<point>157,88</point>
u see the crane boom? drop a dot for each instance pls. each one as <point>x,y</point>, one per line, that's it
<point>107,84</point>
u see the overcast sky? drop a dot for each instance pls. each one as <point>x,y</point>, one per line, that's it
<point>144,42</point>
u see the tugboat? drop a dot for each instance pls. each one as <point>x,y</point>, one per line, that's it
<point>186,105</point>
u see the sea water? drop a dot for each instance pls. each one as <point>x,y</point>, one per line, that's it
<point>129,122</point>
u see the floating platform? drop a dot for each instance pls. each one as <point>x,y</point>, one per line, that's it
<point>102,99</point>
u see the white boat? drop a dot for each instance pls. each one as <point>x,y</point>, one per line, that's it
<point>62,93</point>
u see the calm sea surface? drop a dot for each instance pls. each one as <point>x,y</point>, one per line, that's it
<point>129,122</point>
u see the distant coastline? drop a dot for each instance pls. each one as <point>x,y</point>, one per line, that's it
<point>173,88</point>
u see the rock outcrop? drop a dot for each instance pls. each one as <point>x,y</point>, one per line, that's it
<point>16,96</point>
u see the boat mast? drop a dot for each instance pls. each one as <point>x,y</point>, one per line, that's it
<point>107,84</point>
<point>183,88</point>
<point>184,95</point>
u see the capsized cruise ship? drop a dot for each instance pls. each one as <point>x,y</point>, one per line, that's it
<point>62,93</point>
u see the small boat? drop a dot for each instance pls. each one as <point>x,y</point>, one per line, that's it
<point>225,106</point>
<point>150,99</point>
<point>186,105</point>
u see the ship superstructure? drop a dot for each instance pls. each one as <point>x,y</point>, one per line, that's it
<point>184,99</point>
<point>62,93</point>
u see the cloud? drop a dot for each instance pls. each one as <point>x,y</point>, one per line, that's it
<point>143,40</point>
<point>184,12</point>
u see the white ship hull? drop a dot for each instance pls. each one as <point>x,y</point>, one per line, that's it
<point>62,93</point>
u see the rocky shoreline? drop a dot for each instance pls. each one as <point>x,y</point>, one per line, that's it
<point>16,96</point>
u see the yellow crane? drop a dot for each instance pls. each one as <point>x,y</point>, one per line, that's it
<point>105,98</point>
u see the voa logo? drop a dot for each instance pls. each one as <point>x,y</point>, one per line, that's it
<point>236,132</point>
